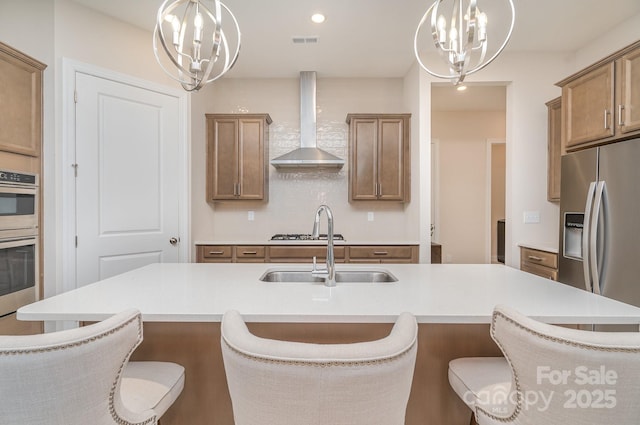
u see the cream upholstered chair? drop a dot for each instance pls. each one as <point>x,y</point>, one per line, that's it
<point>281,382</point>
<point>551,375</point>
<point>82,376</point>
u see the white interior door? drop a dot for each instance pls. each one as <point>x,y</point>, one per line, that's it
<point>127,181</point>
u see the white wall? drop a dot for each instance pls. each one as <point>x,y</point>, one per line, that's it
<point>532,77</point>
<point>295,195</point>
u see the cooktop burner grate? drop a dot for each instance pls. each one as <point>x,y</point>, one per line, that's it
<point>303,237</point>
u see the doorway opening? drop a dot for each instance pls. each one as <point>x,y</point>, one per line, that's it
<point>468,133</point>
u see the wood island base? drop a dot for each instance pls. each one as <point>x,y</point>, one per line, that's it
<point>205,399</point>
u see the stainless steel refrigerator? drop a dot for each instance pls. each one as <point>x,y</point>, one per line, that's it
<point>600,221</point>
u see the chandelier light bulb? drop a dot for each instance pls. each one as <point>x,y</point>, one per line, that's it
<point>464,45</point>
<point>197,27</point>
<point>208,54</point>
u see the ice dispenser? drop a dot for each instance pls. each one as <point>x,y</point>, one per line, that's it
<point>573,226</point>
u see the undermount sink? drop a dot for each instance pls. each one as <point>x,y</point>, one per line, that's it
<point>342,276</point>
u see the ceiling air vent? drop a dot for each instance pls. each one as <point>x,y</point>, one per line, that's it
<point>312,39</point>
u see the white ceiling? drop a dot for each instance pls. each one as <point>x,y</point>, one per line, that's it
<point>374,38</point>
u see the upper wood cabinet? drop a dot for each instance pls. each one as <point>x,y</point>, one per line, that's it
<point>237,156</point>
<point>629,94</point>
<point>379,159</point>
<point>601,103</point>
<point>554,148</point>
<point>20,102</point>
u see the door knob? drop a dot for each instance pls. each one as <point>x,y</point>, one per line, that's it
<point>173,241</point>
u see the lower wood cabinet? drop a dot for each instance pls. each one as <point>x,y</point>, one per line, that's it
<point>249,254</point>
<point>539,262</point>
<point>383,254</point>
<point>214,253</point>
<point>305,253</point>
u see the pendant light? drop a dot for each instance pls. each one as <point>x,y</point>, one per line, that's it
<point>196,50</point>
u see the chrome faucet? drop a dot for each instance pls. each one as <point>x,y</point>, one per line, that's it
<point>329,272</point>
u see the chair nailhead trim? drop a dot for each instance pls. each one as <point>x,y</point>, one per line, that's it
<point>322,363</point>
<point>112,410</point>
<point>576,344</point>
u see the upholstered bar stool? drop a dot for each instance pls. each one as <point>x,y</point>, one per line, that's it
<point>551,375</point>
<point>83,376</point>
<point>282,382</point>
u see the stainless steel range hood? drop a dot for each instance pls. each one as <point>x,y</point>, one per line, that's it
<point>308,155</point>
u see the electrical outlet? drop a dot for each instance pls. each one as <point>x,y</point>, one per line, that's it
<point>370,216</point>
<point>531,217</point>
<point>251,215</point>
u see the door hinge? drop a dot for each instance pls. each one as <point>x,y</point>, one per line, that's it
<point>75,169</point>
<point>75,96</point>
<point>76,241</point>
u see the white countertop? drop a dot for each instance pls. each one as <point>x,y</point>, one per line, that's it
<point>434,293</point>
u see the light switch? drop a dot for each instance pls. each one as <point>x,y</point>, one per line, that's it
<point>531,217</point>
<point>251,215</point>
<point>370,216</point>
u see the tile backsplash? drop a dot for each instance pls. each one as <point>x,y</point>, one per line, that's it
<point>295,195</point>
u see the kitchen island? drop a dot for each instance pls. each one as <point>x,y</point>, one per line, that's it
<point>182,305</point>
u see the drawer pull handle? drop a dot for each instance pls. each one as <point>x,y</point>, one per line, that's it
<point>249,252</point>
<point>380,252</point>
<point>216,252</point>
<point>534,258</point>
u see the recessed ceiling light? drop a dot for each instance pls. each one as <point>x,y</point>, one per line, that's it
<point>461,87</point>
<point>318,18</point>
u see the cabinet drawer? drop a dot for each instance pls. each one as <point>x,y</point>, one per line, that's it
<point>216,251</point>
<point>302,253</point>
<point>250,252</point>
<point>540,271</point>
<point>540,258</point>
<point>380,252</point>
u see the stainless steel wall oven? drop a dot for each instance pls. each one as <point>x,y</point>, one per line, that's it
<point>18,240</point>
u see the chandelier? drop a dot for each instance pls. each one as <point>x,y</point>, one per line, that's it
<point>462,40</point>
<point>191,35</point>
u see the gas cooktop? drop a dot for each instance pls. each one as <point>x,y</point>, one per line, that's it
<point>303,237</point>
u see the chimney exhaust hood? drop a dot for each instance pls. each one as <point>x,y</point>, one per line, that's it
<point>308,155</point>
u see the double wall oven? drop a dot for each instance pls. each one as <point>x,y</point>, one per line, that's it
<point>18,240</point>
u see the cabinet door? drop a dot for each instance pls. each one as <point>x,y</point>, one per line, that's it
<point>629,103</point>
<point>363,159</point>
<point>588,107</point>
<point>554,147</point>
<point>20,102</point>
<point>223,158</point>
<point>392,155</point>
<point>251,159</point>
<point>237,150</point>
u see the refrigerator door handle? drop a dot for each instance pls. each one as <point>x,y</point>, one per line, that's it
<point>586,236</point>
<point>593,237</point>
